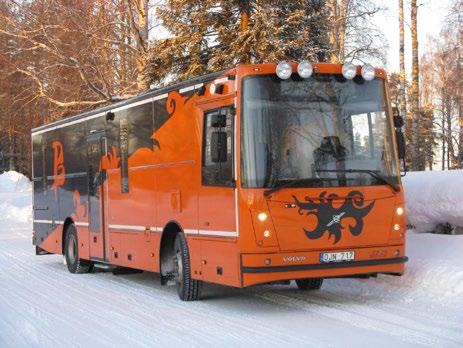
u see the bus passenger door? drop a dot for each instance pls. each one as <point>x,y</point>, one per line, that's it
<point>96,149</point>
<point>217,191</point>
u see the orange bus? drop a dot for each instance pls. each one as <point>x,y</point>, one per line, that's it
<point>257,174</point>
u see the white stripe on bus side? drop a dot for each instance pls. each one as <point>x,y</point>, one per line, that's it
<point>218,233</point>
<point>151,229</point>
<point>127,227</point>
<point>43,221</point>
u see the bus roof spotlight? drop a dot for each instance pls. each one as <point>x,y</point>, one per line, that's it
<point>368,72</point>
<point>349,71</point>
<point>284,70</point>
<point>304,69</point>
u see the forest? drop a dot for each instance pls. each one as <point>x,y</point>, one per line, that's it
<point>62,57</point>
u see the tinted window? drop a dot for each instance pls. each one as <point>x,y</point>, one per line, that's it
<point>216,123</point>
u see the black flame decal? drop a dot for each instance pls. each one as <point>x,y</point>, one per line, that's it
<point>329,217</point>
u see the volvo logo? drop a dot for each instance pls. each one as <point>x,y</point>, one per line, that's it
<point>294,258</point>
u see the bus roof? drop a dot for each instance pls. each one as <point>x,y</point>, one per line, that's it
<point>152,93</point>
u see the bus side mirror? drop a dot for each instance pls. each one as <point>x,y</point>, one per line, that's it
<point>399,135</point>
<point>218,120</point>
<point>219,147</point>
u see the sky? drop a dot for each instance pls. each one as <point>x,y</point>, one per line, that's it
<point>431,16</point>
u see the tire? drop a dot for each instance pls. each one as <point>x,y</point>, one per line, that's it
<point>188,289</point>
<point>71,253</point>
<point>309,283</point>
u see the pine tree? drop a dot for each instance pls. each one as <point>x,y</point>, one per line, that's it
<point>214,35</point>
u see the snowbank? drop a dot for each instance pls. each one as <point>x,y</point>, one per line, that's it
<point>434,198</point>
<point>15,200</point>
<point>435,267</point>
<point>14,182</point>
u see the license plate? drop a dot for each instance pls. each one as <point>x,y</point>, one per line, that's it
<point>339,256</point>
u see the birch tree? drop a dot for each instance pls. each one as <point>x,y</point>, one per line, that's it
<point>402,96</point>
<point>414,91</point>
<point>352,33</point>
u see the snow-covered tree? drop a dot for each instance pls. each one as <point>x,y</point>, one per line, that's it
<point>213,35</point>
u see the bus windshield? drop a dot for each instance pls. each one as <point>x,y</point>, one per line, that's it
<point>324,131</point>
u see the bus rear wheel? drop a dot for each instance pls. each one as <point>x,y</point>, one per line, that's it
<point>188,289</point>
<point>309,283</point>
<point>71,253</point>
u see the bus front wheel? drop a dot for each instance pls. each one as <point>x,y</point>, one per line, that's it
<point>309,283</point>
<point>188,289</point>
<point>71,253</point>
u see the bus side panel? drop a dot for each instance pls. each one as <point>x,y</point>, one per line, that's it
<point>178,162</point>
<point>73,191</point>
<point>46,202</point>
<point>131,196</point>
<point>41,209</point>
<point>222,261</point>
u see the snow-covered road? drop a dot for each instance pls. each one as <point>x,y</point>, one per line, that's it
<point>43,305</point>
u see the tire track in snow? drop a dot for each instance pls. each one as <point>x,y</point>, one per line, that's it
<point>39,274</point>
<point>366,317</point>
<point>135,310</point>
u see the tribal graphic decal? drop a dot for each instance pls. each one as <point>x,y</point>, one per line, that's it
<point>58,166</point>
<point>329,217</point>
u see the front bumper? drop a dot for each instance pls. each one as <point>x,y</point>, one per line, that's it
<point>264,268</point>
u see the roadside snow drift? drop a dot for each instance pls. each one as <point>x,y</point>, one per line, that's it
<point>15,199</point>
<point>43,305</point>
<point>434,198</point>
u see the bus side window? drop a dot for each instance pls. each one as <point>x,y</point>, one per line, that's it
<point>124,149</point>
<point>218,127</point>
<point>44,164</point>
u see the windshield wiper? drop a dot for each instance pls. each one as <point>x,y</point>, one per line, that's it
<point>289,183</point>
<point>373,173</point>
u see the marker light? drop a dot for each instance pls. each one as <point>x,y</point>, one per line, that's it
<point>284,70</point>
<point>399,211</point>
<point>304,69</point>
<point>262,216</point>
<point>396,227</point>
<point>212,88</point>
<point>266,233</point>
<point>349,71</point>
<point>368,72</point>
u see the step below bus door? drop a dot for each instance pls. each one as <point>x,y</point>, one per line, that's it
<point>97,188</point>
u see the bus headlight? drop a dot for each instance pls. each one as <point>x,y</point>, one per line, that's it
<point>284,70</point>
<point>349,71</point>
<point>262,216</point>
<point>304,69</point>
<point>399,211</point>
<point>368,72</point>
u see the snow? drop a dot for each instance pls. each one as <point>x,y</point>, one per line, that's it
<point>42,304</point>
<point>14,182</point>
<point>15,198</point>
<point>434,198</point>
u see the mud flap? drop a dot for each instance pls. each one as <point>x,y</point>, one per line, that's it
<point>40,251</point>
